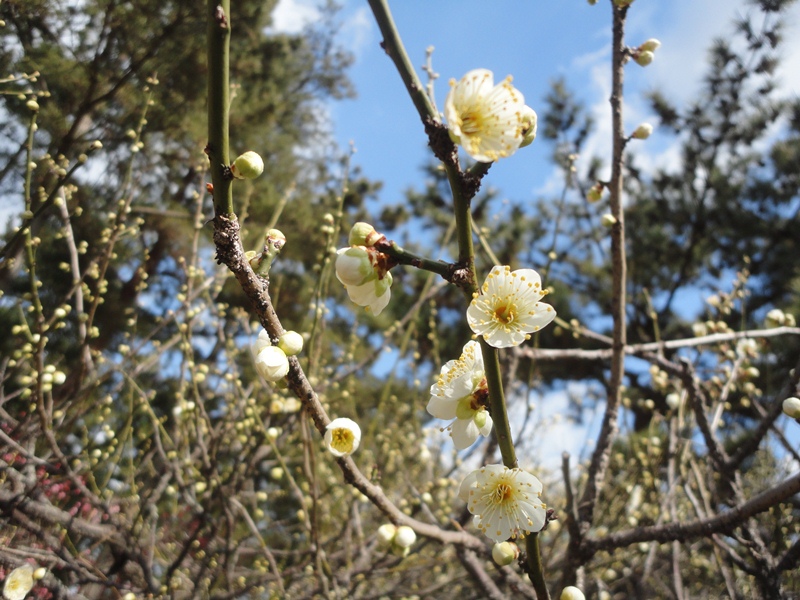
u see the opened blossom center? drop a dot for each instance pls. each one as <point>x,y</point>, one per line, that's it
<point>507,309</point>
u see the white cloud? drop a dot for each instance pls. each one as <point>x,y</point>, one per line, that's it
<point>291,16</point>
<point>357,31</point>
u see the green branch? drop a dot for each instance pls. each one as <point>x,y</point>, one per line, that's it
<point>219,36</point>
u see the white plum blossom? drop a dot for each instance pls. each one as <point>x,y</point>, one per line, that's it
<point>460,393</point>
<point>342,436</point>
<point>507,309</point>
<point>365,275</point>
<point>506,502</point>
<point>19,582</point>
<point>489,121</point>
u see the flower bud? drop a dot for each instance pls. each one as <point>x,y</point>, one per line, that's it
<point>643,58</point>
<point>595,192</point>
<point>32,105</point>
<point>673,400</point>
<point>572,593</point>
<point>39,573</point>
<point>622,3</point>
<point>363,234</point>
<point>405,537</point>
<point>791,407</point>
<point>642,132</point>
<point>608,220</point>
<point>505,553</point>
<point>291,343</point>
<point>650,45</point>
<point>247,166</point>
<point>528,125</point>
<point>272,364</point>
<point>480,418</point>
<point>353,266</point>
<point>775,318</point>
<point>386,534</point>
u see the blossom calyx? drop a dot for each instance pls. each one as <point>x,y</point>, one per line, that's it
<point>247,166</point>
<point>528,123</point>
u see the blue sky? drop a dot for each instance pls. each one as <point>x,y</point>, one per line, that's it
<point>536,42</point>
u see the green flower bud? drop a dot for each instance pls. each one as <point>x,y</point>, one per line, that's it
<point>608,220</point>
<point>247,166</point>
<point>480,418</point>
<point>595,192</point>
<point>364,234</point>
<point>529,121</point>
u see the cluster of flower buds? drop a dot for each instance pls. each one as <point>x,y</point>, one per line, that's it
<point>272,362</point>
<point>645,53</point>
<point>363,270</point>
<point>398,539</point>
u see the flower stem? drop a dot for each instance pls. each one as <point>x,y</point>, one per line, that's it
<point>219,36</point>
<point>535,567</point>
<point>497,404</point>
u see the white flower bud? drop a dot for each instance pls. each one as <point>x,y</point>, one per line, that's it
<point>572,593</point>
<point>650,45</point>
<point>608,220</point>
<point>643,58</point>
<point>32,105</point>
<point>291,343</point>
<point>247,166</point>
<point>386,534</point>
<point>354,267</point>
<point>775,318</point>
<point>642,132</point>
<point>791,407</point>
<point>673,400</point>
<point>39,573</point>
<point>505,553</point>
<point>405,537</point>
<point>272,364</point>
